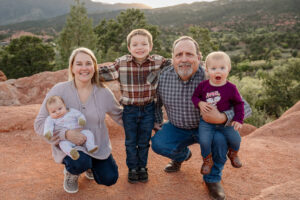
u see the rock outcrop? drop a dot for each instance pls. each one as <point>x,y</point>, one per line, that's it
<point>2,76</point>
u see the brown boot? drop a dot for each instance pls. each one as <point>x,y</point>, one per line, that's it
<point>233,156</point>
<point>207,164</point>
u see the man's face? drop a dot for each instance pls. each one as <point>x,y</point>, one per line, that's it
<point>185,59</point>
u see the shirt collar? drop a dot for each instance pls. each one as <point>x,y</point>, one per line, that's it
<point>131,58</point>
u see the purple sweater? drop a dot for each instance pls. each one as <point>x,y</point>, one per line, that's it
<point>223,97</point>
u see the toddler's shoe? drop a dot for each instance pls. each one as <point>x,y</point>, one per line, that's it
<point>48,135</point>
<point>233,156</point>
<point>74,154</point>
<point>207,164</point>
<point>133,176</point>
<point>143,174</point>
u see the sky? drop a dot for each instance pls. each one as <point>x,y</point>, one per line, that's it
<point>152,3</point>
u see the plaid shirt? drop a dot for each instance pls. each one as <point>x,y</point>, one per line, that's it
<point>176,96</point>
<point>132,76</point>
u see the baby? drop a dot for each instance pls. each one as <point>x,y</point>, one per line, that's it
<point>62,118</point>
<point>219,92</point>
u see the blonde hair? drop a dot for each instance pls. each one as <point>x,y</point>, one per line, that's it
<point>141,31</point>
<point>217,55</point>
<point>95,78</point>
<point>183,38</point>
<point>54,99</point>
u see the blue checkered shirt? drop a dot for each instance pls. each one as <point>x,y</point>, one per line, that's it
<point>176,96</point>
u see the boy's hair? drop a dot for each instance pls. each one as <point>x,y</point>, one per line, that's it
<point>182,38</point>
<point>141,31</point>
<point>217,55</point>
<point>53,99</point>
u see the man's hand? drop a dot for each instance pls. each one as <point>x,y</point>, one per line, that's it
<point>205,107</point>
<point>75,136</point>
<point>157,127</point>
<point>214,116</point>
<point>236,125</point>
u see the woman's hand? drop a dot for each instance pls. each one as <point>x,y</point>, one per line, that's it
<point>214,116</point>
<point>54,140</point>
<point>75,136</point>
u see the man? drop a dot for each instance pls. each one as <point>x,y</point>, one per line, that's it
<point>175,88</point>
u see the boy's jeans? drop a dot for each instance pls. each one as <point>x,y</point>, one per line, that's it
<point>173,143</point>
<point>206,134</point>
<point>138,124</point>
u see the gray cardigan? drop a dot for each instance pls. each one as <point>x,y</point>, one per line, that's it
<point>100,103</point>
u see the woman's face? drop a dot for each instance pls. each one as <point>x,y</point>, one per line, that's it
<point>83,68</point>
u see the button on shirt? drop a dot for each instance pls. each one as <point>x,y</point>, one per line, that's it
<point>176,94</point>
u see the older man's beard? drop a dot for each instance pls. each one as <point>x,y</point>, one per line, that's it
<point>185,72</point>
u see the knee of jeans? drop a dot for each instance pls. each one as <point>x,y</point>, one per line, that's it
<point>79,166</point>
<point>108,179</point>
<point>156,147</point>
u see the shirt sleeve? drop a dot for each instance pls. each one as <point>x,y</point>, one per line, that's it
<point>238,106</point>
<point>230,113</point>
<point>196,96</point>
<point>109,72</point>
<point>114,109</point>
<point>158,108</point>
<point>49,126</point>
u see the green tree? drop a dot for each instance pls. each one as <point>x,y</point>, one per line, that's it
<point>26,56</point>
<point>202,36</point>
<point>282,88</point>
<point>77,32</point>
<point>112,33</point>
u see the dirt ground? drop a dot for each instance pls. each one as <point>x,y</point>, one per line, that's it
<point>27,171</point>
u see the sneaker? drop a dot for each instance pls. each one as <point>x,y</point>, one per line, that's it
<point>133,176</point>
<point>70,182</point>
<point>74,154</point>
<point>143,174</point>
<point>89,174</point>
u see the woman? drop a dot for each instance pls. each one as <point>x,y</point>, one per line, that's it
<point>85,93</point>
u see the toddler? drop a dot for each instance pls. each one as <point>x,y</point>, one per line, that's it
<point>218,92</point>
<point>61,117</point>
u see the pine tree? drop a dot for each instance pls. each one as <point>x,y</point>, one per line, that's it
<point>78,32</point>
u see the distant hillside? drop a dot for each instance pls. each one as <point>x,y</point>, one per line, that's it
<point>14,11</point>
<point>222,14</point>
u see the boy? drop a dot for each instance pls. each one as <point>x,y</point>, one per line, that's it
<point>60,117</point>
<point>138,97</point>
<point>219,92</point>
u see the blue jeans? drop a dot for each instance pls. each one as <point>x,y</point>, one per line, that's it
<point>105,171</point>
<point>206,134</point>
<point>138,124</point>
<point>173,143</point>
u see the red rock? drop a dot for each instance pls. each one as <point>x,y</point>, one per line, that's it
<point>2,76</point>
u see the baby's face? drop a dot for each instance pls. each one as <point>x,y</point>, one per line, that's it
<point>57,110</point>
<point>218,71</point>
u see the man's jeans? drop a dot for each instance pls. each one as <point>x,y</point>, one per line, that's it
<point>105,171</point>
<point>206,134</point>
<point>138,124</point>
<point>173,143</point>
